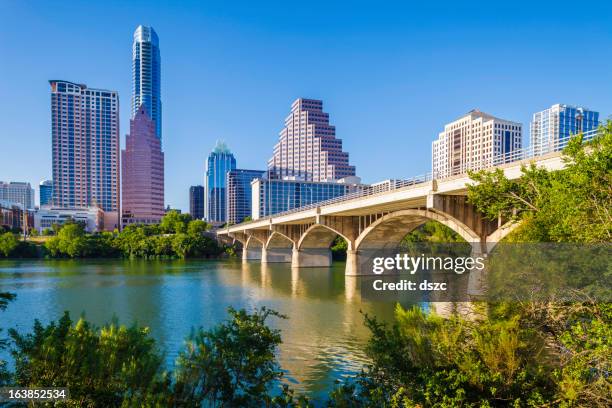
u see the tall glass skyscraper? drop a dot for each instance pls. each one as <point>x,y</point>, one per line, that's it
<point>85,143</point>
<point>146,75</point>
<point>560,122</point>
<point>219,162</point>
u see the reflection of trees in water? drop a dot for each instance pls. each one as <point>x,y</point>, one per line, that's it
<point>324,335</point>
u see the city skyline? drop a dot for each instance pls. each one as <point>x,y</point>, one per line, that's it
<point>389,116</point>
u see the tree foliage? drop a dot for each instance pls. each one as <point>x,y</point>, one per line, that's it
<point>5,298</point>
<point>8,243</point>
<point>536,355</point>
<point>569,205</point>
<point>177,236</point>
<point>232,364</point>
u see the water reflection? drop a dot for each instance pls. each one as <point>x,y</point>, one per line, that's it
<point>322,337</point>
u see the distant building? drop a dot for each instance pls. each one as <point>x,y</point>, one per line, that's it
<point>142,173</point>
<point>92,218</point>
<point>239,194</point>
<point>146,75</point>
<point>13,216</point>
<point>219,162</point>
<point>45,192</point>
<point>472,142</point>
<point>17,192</point>
<point>85,145</point>
<point>559,122</point>
<point>196,202</point>
<point>308,147</point>
<point>272,196</point>
<point>168,209</point>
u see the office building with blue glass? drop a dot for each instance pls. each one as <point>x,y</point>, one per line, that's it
<point>552,127</point>
<point>273,196</point>
<point>219,162</point>
<point>45,192</point>
<point>146,75</point>
<point>196,202</point>
<point>239,195</point>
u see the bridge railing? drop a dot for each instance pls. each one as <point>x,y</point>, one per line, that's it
<point>525,153</point>
<point>391,185</point>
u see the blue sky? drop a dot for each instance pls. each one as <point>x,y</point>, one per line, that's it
<point>391,74</point>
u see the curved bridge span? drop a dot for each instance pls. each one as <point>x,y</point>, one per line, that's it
<point>374,221</point>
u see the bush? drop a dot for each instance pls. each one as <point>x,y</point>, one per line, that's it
<point>8,243</point>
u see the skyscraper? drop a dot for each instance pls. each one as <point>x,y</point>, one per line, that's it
<point>142,172</point>
<point>45,192</point>
<point>219,162</point>
<point>146,75</point>
<point>17,192</point>
<point>559,122</point>
<point>308,148</point>
<point>239,193</point>
<point>196,202</point>
<point>85,140</point>
<point>472,142</point>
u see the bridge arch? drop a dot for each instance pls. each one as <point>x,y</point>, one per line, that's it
<point>279,240</point>
<point>320,236</point>
<point>392,227</point>
<point>253,242</point>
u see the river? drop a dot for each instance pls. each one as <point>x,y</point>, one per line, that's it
<point>323,337</point>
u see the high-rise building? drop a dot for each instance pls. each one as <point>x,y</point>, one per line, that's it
<point>239,193</point>
<point>146,75</point>
<point>472,142</point>
<point>219,162</point>
<point>85,140</point>
<point>551,127</point>
<point>272,196</point>
<point>45,192</point>
<point>142,172</point>
<point>196,202</point>
<point>308,147</point>
<point>17,192</point>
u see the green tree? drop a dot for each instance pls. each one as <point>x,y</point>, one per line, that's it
<point>570,205</point>
<point>338,248</point>
<point>70,241</point>
<point>533,355</point>
<point>5,298</point>
<point>197,227</point>
<point>234,364</point>
<point>8,243</point>
<point>102,367</point>
<point>182,245</point>
<point>173,222</point>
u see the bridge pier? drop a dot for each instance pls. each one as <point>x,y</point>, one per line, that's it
<point>352,263</point>
<point>251,254</point>
<point>276,255</point>
<point>311,257</point>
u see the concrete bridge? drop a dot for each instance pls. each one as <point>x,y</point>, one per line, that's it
<point>376,219</point>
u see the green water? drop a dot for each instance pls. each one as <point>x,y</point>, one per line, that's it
<point>323,337</point>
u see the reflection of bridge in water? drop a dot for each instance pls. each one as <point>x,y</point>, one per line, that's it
<point>377,218</point>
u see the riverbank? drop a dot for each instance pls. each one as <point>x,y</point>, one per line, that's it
<point>176,236</point>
